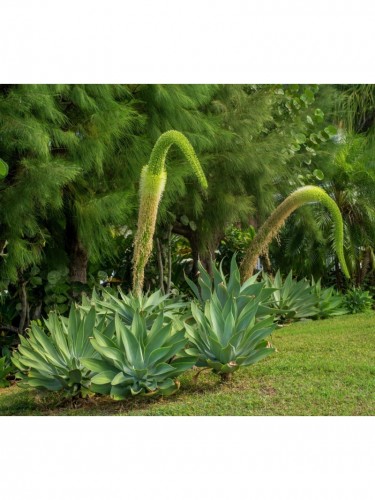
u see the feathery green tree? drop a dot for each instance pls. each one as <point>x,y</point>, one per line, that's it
<point>69,182</point>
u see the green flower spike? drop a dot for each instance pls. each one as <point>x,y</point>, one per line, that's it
<point>306,194</point>
<point>152,185</point>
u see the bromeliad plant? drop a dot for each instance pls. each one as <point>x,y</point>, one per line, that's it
<point>52,361</point>
<point>228,332</point>
<point>306,194</point>
<point>152,185</point>
<point>139,360</point>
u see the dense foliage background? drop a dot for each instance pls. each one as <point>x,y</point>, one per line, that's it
<point>73,156</point>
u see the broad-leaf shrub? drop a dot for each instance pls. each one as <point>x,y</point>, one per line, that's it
<point>227,332</point>
<point>139,360</point>
<point>50,358</point>
<point>5,369</point>
<point>357,300</point>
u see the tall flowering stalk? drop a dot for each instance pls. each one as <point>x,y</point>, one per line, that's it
<point>152,185</point>
<point>306,194</point>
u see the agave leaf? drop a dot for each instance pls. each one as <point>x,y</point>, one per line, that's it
<point>249,282</point>
<point>199,338</point>
<point>96,365</point>
<point>49,349</point>
<point>120,379</point>
<point>183,364</point>
<point>194,288</point>
<point>59,337</point>
<point>228,328</point>
<point>229,368</point>
<point>89,325</point>
<point>132,346</point>
<point>257,355</point>
<point>105,377</point>
<point>34,359</point>
<point>215,365</point>
<point>234,283</point>
<point>250,345</point>
<point>135,390</point>
<point>109,353</point>
<point>161,354</point>
<point>45,383</point>
<point>72,320</point>
<point>171,389</point>
<point>162,369</point>
<point>101,389</point>
<point>119,393</point>
<point>75,376</point>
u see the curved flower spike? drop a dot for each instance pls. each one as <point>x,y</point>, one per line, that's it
<point>152,185</point>
<point>306,194</point>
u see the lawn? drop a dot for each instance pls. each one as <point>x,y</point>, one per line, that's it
<point>320,368</point>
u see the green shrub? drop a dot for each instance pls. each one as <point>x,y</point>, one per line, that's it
<point>138,360</point>
<point>53,361</point>
<point>357,300</point>
<point>5,369</point>
<point>227,332</point>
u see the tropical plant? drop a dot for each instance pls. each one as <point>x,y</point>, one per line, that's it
<point>5,369</point>
<point>303,195</point>
<point>291,299</point>
<point>147,305</point>
<point>357,300</point>
<point>152,185</point>
<point>3,169</point>
<point>227,332</point>
<point>52,361</point>
<point>329,302</point>
<point>138,360</point>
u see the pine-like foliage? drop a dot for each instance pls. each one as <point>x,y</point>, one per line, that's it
<point>67,184</point>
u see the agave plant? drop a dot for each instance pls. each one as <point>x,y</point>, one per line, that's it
<point>328,301</point>
<point>291,299</point>
<point>52,360</point>
<point>138,360</point>
<point>228,332</point>
<point>149,306</point>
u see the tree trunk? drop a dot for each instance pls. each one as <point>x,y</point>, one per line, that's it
<point>194,244</point>
<point>366,261</point>
<point>25,308</point>
<point>78,257</point>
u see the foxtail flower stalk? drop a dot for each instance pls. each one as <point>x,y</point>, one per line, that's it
<point>306,194</point>
<point>152,185</point>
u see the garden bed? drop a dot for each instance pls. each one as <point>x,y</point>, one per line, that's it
<point>320,368</point>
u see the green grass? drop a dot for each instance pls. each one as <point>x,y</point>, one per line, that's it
<point>320,368</point>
